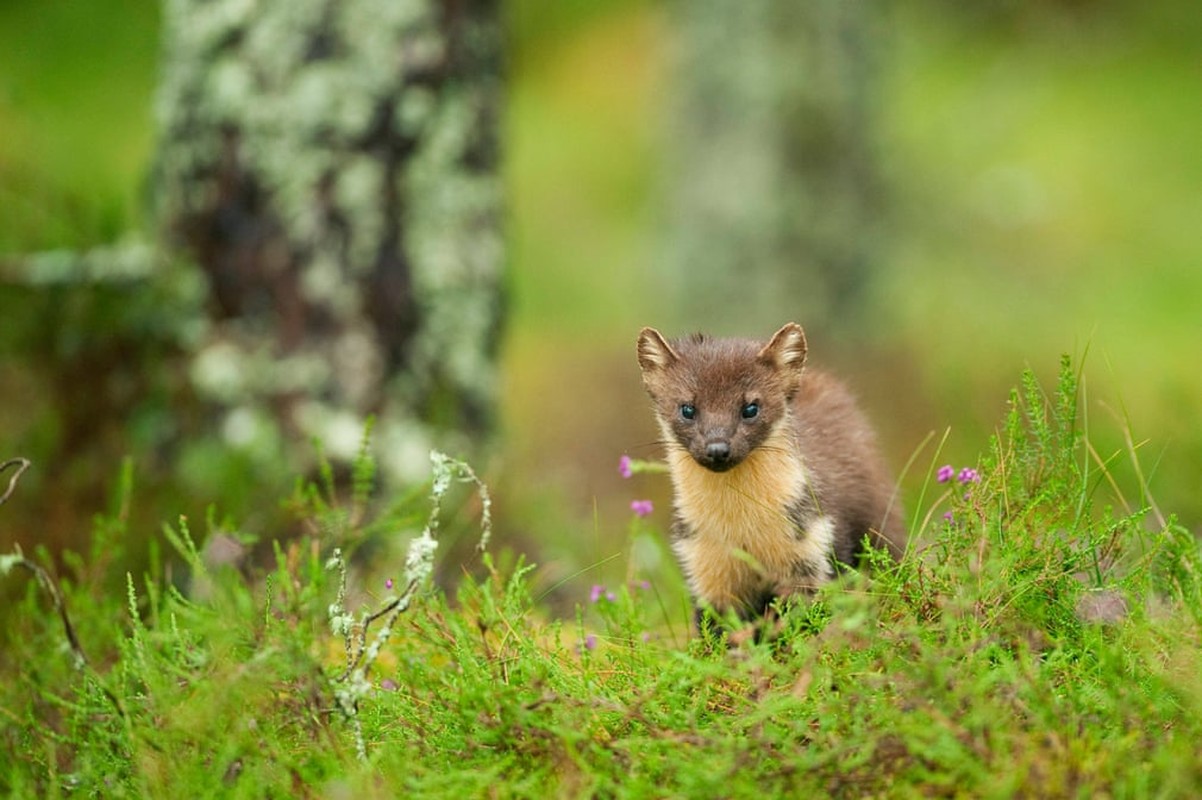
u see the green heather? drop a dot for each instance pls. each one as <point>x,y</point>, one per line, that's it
<point>1040,639</point>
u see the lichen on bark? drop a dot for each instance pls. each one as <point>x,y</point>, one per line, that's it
<point>332,168</point>
<point>773,187</point>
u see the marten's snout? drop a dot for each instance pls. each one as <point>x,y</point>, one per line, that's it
<point>717,456</point>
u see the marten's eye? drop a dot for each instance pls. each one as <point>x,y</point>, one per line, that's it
<point>688,411</point>
<point>751,410</point>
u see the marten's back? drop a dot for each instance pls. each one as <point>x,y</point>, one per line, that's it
<point>844,465</point>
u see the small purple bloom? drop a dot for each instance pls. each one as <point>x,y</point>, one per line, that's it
<point>389,685</point>
<point>948,516</point>
<point>624,468</point>
<point>969,475</point>
<point>590,642</point>
<point>388,584</point>
<point>641,507</point>
<point>644,584</point>
<point>596,593</point>
<point>945,473</point>
<point>610,596</point>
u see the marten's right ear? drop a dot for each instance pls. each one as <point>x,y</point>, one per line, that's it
<point>654,351</point>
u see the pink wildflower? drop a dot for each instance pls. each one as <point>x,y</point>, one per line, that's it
<point>624,468</point>
<point>641,508</point>
<point>945,473</point>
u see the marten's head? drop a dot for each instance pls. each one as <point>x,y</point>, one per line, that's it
<point>719,399</point>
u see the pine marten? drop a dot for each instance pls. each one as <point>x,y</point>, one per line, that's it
<point>776,472</point>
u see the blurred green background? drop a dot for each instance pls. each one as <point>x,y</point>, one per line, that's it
<point>1044,170</point>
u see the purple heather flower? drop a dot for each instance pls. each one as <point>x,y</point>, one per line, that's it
<point>948,516</point>
<point>590,642</point>
<point>641,507</point>
<point>945,473</point>
<point>969,475</point>
<point>388,584</point>
<point>624,468</point>
<point>596,593</point>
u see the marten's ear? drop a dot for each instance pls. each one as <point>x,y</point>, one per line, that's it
<point>787,350</point>
<point>654,351</point>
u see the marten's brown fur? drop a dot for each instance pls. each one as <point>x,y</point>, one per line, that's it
<point>775,469</point>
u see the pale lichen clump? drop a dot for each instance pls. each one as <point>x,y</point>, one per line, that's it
<point>352,685</point>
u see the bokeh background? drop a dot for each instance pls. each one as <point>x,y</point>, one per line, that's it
<point>1036,190</point>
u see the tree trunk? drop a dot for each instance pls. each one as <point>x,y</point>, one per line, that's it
<point>773,193</point>
<point>332,167</point>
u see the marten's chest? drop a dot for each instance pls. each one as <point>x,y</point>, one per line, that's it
<point>742,535</point>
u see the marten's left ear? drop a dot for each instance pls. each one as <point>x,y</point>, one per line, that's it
<point>787,350</point>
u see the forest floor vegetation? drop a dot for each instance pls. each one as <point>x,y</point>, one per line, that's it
<point>1040,638</point>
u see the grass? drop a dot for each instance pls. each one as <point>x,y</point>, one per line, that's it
<point>1035,641</point>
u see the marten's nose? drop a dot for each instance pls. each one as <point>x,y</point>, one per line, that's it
<point>718,452</point>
